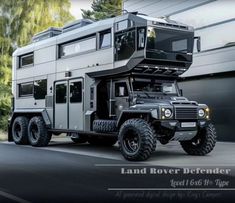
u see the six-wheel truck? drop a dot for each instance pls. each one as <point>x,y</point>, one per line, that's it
<point>108,81</point>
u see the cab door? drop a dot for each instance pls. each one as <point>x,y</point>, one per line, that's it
<point>75,104</point>
<point>121,96</point>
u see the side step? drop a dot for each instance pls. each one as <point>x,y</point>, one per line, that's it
<point>86,133</point>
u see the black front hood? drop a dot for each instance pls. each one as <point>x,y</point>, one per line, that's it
<point>147,104</point>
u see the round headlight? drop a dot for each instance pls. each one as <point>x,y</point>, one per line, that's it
<point>201,113</point>
<point>168,113</point>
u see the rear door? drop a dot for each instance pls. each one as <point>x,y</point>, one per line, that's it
<point>61,105</point>
<point>68,104</point>
<point>75,104</point>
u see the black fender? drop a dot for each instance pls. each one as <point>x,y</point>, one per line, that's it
<point>28,113</point>
<point>136,113</point>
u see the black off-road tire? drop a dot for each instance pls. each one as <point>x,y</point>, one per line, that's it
<point>37,132</point>
<point>203,143</point>
<point>78,138</point>
<point>20,130</point>
<point>105,126</point>
<point>102,141</point>
<point>146,139</point>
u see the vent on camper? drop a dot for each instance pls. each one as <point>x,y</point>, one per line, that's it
<point>76,24</point>
<point>172,25</point>
<point>50,32</point>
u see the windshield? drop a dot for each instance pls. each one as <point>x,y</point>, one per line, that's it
<point>169,40</point>
<point>153,86</point>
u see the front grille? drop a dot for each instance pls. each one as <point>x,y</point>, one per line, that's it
<point>186,113</point>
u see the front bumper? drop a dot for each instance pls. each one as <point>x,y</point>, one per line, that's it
<point>181,131</point>
<point>176,125</point>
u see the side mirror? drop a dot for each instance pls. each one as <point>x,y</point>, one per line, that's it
<point>198,43</point>
<point>181,92</point>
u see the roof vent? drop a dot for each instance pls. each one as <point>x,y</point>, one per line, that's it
<point>48,33</point>
<point>76,24</point>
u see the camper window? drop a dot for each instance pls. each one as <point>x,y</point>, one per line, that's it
<point>26,60</point>
<point>76,92</point>
<point>61,93</point>
<point>105,39</point>
<point>40,89</point>
<point>76,47</point>
<point>124,45</point>
<point>26,89</point>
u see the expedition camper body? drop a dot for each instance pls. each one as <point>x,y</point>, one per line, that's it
<point>108,81</point>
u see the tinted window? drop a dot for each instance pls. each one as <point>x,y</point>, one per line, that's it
<point>26,60</point>
<point>180,45</point>
<point>40,89</point>
<point>75,92</point>
<point>124,45</point>
<point>76,47</point>
<point>26,89</point>
<point>121,89</point>
<point>152,86</point>
<point>105,39</point>
<point>169,41</point>
<point>61,93</point>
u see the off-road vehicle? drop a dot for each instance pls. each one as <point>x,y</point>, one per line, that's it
<point>108,81</point>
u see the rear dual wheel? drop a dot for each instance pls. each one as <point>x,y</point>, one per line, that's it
<point>37,132</point>
<point>33,131</point>
<point>20,130</point>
